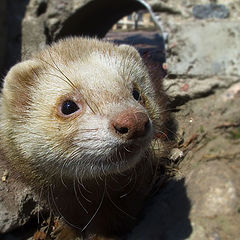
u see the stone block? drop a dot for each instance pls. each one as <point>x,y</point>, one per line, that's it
<point>210,11</point>
<point>205,49</point>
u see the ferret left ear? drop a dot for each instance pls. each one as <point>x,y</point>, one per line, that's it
<point>130,50</point>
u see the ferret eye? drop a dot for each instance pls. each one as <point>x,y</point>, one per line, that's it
<point>69,107</point>
<point>136,95</point>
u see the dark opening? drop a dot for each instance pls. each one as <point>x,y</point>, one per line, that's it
<point>96,18</point>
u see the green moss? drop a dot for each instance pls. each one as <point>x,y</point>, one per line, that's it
<point>234,134</point>
<point>238,210</point>
<point>202,129</point>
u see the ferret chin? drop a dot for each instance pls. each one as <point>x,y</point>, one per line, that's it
<point>83,114</point>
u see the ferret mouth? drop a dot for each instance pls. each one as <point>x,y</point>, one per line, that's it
<point>115,158</point>
<point>129,153</point>
<point>130,149</point>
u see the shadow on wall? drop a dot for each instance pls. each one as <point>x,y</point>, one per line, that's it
<point>3,34</point>
<point>96,18</point>
<point>166,216</point>
<point>15,14</point>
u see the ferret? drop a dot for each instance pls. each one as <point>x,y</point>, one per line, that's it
<point>78,121</point>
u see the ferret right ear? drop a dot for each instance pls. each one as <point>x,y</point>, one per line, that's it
<point>21,75</point>
<point>19,82</point>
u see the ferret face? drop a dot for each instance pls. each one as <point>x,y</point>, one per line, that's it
<point>82,108</point>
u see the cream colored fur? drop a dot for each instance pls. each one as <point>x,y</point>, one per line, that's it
<point>101,76</point>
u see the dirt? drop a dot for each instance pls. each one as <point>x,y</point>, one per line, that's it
<point>210,127</point>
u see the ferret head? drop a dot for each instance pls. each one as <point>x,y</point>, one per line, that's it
<point>81,107</point>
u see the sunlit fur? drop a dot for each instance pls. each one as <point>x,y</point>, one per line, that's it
<point>42,145</point>
<point>102,77</point>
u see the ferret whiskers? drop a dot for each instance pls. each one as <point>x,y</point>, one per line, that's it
<point>97,210</point>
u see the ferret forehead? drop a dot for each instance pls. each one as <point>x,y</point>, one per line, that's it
<point>97,76</point>
<point>114,70</point>
<point>102,58</point>
<point>100,70</point>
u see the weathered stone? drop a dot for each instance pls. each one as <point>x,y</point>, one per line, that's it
<point>17,202</point>
<point>205,49</point>
<point>160,6</point>
<point>231,92</point>
<point>202,56</point>
<point>211,190</point>
<point>181,89</point>
<point>186,6</point>
<point>198,232</point>
<point>210,11</point>
<point>33,31</point>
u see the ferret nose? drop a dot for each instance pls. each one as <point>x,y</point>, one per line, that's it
<point>130,125</point>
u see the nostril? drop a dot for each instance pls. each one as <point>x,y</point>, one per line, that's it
<point>121,130</point>
<point>131,124</point>
<point>147,125</point>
